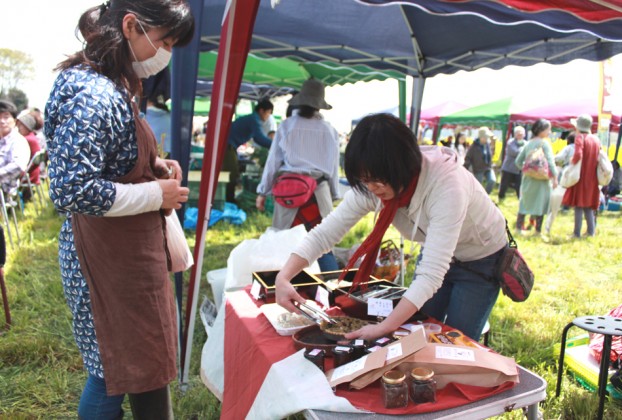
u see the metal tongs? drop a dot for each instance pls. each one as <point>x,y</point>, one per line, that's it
<point>316,315</point>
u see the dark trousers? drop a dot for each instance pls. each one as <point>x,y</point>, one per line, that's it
<point>508,180</point>
<point>230,164</point>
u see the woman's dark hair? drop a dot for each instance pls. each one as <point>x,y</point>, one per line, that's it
<point>540,125</point>
<point>570,139</point>
<point>457,139</point>
<point>6,106</point>
<point>306,111</point>
<point>105,48</point>
<point>382,148</point>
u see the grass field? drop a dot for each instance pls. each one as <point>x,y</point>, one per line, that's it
<point>41,373</point>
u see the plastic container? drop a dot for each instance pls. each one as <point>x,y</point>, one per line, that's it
<point>216,280</point>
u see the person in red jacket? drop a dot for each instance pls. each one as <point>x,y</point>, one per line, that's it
<point>584,196</point>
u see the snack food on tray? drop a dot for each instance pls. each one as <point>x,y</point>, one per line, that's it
<point>292,320</point>
<point>343,325</point>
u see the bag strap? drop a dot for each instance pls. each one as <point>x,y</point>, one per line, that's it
<point>511,241</point>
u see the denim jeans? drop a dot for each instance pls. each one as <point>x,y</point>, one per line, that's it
<point>95,404</point>
<point>328,262</point>
<point>487,177</point>
<point>465,299</point>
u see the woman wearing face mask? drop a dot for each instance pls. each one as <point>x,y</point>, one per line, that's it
<point>106,177</point>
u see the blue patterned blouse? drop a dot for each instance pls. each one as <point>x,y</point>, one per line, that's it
<point>90,128</point>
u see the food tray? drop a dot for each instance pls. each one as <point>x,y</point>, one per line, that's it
<point>274,312</point>
<point>313,338</point>
<point>303,282</point>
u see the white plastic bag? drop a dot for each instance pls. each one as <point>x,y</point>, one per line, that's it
<point>571,175</point>
<point>181,256</point>
<point>269,252</point>
<point>604,170</point>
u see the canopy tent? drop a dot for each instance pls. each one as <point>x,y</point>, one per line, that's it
<point>561,113</point>
<point>248,91</point>
<point>421,40</point>
<point>430,117</point>
<point>494,115</point>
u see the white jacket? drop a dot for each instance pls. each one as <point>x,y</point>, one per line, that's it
<point>450,215</point>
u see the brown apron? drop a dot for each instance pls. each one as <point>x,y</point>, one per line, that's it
<point>124,261</point>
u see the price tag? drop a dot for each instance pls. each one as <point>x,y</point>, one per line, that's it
<point>321,296</point>
<point>379,307</point>
<point>255,289</point>
<point>454,353</point>
<point>394,351</point>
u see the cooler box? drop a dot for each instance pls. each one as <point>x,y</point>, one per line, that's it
<point>582,365</point>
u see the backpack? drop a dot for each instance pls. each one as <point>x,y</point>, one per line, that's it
<point>293,190</point>
<point>536,166</point>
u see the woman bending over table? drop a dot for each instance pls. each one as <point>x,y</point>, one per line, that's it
<point>430,198</point>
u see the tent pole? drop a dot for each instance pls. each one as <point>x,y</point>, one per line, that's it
<point>415,108</point>
<point>235,42</point>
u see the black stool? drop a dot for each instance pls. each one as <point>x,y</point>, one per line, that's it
<point>609,327</point>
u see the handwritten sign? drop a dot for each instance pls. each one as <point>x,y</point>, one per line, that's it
<point>454,353</point>
<point>379,307</point>
<point>321,296</point>
<point>393,351</point>
<point>255,289</point>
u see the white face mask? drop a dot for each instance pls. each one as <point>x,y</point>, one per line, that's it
<point>152,65</point>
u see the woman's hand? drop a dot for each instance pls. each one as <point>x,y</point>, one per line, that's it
<point>167,169</point>
<point>286,294</point>
<point>173,194</point>
<point>368,332</point>
<point>260,202</point>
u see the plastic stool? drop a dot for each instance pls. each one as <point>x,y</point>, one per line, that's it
<point>609,327</point>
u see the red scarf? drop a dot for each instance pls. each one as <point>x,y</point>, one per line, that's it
<point>370,247</point>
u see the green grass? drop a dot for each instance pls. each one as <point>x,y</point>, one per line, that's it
<point>41,373</point>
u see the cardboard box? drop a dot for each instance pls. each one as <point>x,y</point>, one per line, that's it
<point>392,353</point>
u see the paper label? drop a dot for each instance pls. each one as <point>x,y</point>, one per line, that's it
<point>315,352</point>
<point>359,342</point>
<point>321,296</point>
<point>393,351</point>
<point>255,289</point>
<point>379,307</point>
<point>401,333</point>
<point>408,327</point>
<point>373,349</point>
<point>342,348</point>
<point>454,353</point>
<point>349,368</point>
<point>382,340</point>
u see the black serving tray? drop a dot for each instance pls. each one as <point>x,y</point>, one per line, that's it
<point>303,282</point>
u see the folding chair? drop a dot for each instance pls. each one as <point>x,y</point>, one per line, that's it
<point>36,160</point>
<point>5,206</point>
<point>5,299</point>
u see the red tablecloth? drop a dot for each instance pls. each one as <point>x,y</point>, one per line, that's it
<point>252,346</point>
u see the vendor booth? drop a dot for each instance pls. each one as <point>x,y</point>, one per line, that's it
<point>421,39</point>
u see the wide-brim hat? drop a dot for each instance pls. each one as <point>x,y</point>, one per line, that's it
<point>311,94</point>
<point>583,123</point>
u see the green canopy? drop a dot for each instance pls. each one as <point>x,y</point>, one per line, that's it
<point>291,72</point>
<point>492,114</point>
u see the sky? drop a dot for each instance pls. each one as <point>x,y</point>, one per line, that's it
<point>49,34</point>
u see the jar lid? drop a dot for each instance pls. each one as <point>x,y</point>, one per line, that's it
<point>422,373</point>
<point>393,377</point>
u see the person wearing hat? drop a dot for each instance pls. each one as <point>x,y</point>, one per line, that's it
<point>14,150</point>
<point>584,196</point>
<point>242,130</point>
<point>305,144</point>
<point>27,124</point>
<point>479,159</point>
<point>510,174</point>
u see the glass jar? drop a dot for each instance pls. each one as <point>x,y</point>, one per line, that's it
<point>358,349</point>
<point>342,355</point>
<point>394,389</point>
<point>423,387</point>
<point>316,356</point>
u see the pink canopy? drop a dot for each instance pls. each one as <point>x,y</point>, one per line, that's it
<point>430,116</point>
<point>560,114</point>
